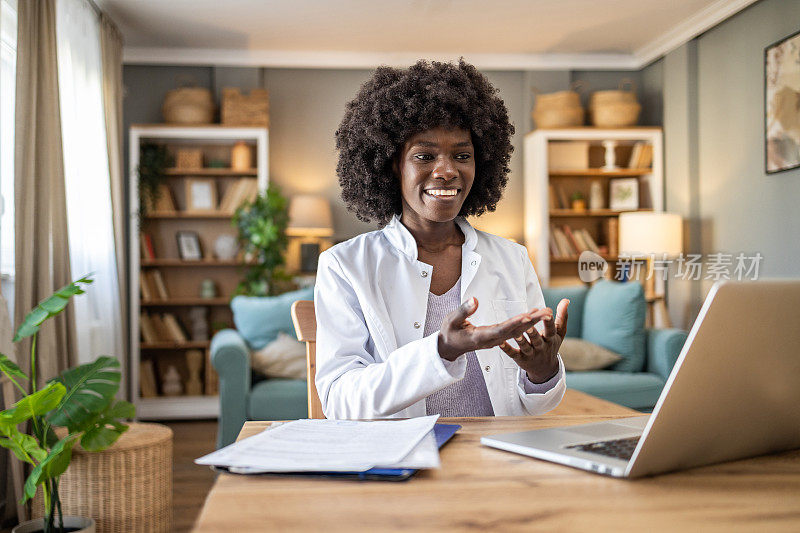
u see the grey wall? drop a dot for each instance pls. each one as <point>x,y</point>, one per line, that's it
<point>306,106</point>
<point>714,127</point>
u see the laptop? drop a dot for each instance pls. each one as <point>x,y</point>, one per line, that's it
<point>733,393</point>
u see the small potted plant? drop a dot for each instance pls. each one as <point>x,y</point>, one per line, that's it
<point>76,406</point>
<point>262,235</point>
<point>578,202</point>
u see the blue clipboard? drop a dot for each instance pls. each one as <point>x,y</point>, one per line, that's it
<point>442,432</point>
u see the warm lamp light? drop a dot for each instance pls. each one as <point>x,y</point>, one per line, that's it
<point>309,216</point>
<point>656,235</point>
<point>651,233</point>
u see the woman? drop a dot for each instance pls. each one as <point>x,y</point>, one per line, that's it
<point>420,149</point>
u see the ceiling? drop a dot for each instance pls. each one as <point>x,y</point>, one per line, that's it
<point>500,34</point>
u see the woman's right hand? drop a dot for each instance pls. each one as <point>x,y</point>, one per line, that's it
<point>458,336</point>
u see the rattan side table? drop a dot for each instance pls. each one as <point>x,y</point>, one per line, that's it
<point>127,487</point>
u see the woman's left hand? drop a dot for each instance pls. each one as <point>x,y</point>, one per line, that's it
<point>539,355</point>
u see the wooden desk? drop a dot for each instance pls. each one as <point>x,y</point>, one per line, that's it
<point>484,489</point>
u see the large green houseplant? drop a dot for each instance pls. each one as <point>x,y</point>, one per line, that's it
<point>262,234</point>
<point>80,400</point>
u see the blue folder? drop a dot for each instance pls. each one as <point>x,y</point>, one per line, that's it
<point>443,433</point>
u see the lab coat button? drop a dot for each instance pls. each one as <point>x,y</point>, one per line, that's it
<point>487,368</point>
<point>474,263</point>
<point>416,325</point>
<point>424,274</point>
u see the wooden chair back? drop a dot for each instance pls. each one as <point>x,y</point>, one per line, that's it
<point>305,326</point>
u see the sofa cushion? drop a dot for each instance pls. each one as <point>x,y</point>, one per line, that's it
<point>613,317</point>
<point>278,399</point>
<point>285,357</point>
<point>260,318</point>
<point>638,390</point>
<point>576,294</point>
<point>579,354</point>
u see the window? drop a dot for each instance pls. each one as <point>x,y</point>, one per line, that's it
<point>8,80</point>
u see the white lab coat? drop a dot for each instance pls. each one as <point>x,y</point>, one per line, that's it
<point>371,299</point>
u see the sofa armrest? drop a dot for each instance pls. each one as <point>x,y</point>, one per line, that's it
<point>231,359</point>
<point>663,348</point>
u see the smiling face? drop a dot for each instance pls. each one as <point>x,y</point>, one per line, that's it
<point>436,170</point>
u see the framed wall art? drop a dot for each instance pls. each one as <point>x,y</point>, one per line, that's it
<point>782,104</point>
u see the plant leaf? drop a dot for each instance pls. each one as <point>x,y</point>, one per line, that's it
<point>38,474</point>
<point>10,368</point>
<point>100,436</point>
<point>39,403</point>
<point>49,307</point>
<point>24,447</point>
<point>90,389</point>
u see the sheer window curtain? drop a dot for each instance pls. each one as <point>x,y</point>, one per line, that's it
<point>86,168</point>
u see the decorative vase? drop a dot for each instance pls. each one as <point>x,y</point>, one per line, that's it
<point>172,385</point>
<point>241,157</point>
<point>77,524</point>
<point>225,247</point>
<point>208,289</point>
<point>579,204</point>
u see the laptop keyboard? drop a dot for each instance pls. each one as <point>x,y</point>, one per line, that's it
<point>619,448</point>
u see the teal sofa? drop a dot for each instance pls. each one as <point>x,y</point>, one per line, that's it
<point>243,393</point>
<point>612,314</point>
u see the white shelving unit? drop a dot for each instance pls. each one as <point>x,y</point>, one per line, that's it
<point>178,407</point>
<point>537,177</point>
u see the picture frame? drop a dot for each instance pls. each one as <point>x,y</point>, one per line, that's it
<point>189,248</point>
<point>623,194</point>
<point>201,195</point>
<point>781,92</point>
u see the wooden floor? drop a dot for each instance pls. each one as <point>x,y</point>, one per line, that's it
<point>190,482</point>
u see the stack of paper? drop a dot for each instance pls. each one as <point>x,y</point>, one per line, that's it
<point>332,446</point>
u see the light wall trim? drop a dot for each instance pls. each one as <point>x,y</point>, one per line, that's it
<point>643,56</point>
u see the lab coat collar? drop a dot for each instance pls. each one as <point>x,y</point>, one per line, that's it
<point>401,238</point>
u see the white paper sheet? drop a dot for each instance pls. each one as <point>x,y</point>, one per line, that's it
<point>326,445</point>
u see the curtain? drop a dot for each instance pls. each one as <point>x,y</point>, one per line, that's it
<point>42,244</point>
<point>111,48</point>
<point>86,171</point>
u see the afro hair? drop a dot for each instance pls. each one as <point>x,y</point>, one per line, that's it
<point>395,104</point>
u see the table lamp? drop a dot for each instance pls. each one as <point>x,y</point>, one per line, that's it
<point>309,216</point>
<point>654,235</point>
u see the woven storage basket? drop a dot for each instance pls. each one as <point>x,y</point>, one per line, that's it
<point>188,105</point>
<point>245,109</point>
<point>625,93</point>
<point>560,109</point>
<point>127,487</point>
<point>618,115</point>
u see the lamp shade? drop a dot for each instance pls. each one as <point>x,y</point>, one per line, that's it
<point>310,216</point>
<point>650,233</point>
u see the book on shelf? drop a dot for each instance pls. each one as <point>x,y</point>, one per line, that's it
<point>554,251</point>
<point>158,282</point>
<point>145,290</point>
<point>146,247</point>
<point>636,152</point>
<point>573,241</point>
<point>590,242</point>
<point>164,203</point>
<point>564,247</point>
<point>244,190</point>
<point>160,328</point>
<point>174,328</point>
<point>147,379</point>
<point>147,329</point>
<point>563,201</point>
<point>612,235</point>
<point>552,200</point>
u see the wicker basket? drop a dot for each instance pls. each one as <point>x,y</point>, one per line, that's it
<point>127,487</point>
<point>626,93</point>
<point>245,110</point>
<point>619,115</point>
<point>189,158</point>
<point>188,105</point>
<point>560,109</point>
<point>559,117</point>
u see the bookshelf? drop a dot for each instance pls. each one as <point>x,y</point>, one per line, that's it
<point>576,174</point>
<point>165,290</point>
